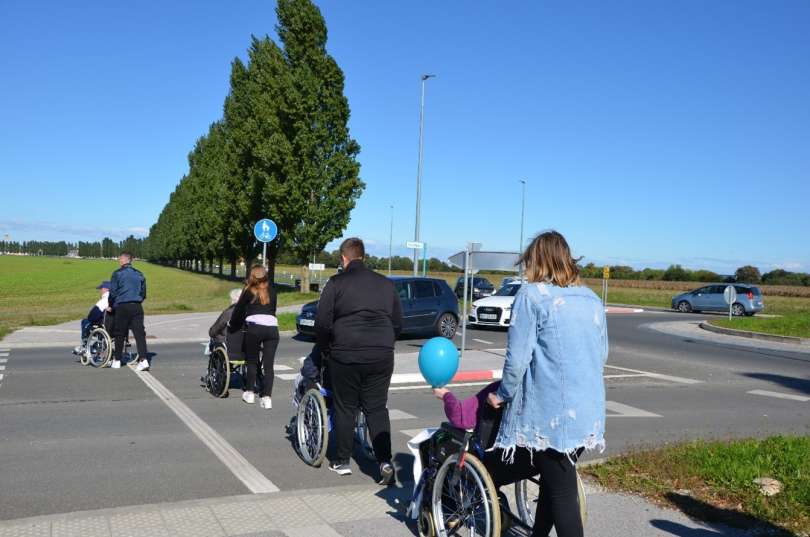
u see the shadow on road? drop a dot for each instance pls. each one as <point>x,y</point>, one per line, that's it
<point>794,383</point>
<point>731,518</point>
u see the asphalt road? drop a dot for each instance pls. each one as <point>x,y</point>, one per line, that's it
<point>75,438</point>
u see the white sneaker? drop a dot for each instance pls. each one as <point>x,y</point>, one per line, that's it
<point>143,365</point>
<point>249,397</point>
<point>116,364</point>
<point>78,350</point>
<point>266,403</point>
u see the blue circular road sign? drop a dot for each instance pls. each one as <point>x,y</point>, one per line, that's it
<point>265,230</point>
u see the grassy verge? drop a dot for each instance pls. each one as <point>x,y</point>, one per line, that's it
<point>286,321</point>
<point>713,481</point>
<point>48,290</point>
<point>792,324</point>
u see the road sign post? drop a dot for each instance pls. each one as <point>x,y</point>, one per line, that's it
<point>265,231</point>
<point>605,278</point>
<point>730,296</point>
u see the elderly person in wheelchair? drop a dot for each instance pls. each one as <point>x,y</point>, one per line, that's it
<point>95,317</point>
<point>224,351</point>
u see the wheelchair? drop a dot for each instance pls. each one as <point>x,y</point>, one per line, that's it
<point>99,346</point>
<point>312,423</point>
<point>456,495</point>
<point>221,367</point>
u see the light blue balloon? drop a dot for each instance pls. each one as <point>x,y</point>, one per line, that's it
<point>438,361</point>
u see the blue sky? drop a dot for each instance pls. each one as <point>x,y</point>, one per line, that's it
<point>649,133</point>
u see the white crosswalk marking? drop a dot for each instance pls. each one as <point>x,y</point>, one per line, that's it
<point>395,414</point>
<point>3,354</point>
<point>620,410</point>
<point>780,395</point>
<point>484,341</point>
<point>281,367</point>
<point>3,360</point>
<point>287,376</point>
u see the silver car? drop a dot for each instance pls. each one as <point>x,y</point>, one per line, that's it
<point>710,298</point>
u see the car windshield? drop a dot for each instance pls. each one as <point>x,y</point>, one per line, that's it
<point>508,290</point>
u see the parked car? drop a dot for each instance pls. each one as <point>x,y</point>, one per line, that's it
<point>429,307</point>
<point>481,287</point>
<point>495,310</point>
<point>710,298</point>
<point>512,279</point>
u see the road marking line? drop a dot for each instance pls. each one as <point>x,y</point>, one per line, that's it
<point>626,411</point>
<point>254,480</point>
<point>4,354</point>
<point>287,376</point>
<point>484,341</point>
<point>2,367</point>
<point>394,414</point>
<point>3,360</point>
<point>780,395</point>
<point>426,387</point>
<point>671,378</point>
<point>279,367</point>
<point>1,377</point>
<point>625,376</point>
<point>410,433</point>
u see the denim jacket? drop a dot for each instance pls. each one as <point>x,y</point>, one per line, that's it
<point>552,377</point>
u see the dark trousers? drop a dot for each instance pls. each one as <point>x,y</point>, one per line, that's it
<point>559,501</point>
<point>86,326</point>
<point>264,340</point>
<point>365,386</point>
<point>129,316</point>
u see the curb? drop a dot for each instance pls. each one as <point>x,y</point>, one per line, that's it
<point>706,325</point>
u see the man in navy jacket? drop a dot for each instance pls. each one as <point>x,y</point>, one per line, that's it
<point>127,292</point>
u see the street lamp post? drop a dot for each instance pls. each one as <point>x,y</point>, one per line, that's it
<point>522,212</point>
<point>419,175</point>
<point>391,240</point>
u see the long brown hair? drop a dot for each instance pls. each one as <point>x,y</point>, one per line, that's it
<point>548,259</point>
<point>257,284</point>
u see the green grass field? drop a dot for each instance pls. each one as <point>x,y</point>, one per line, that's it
<point>719,479</point>
<point>50,290</point>
<point>793,324</point>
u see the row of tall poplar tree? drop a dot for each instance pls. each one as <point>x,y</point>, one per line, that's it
<point>282,150</point>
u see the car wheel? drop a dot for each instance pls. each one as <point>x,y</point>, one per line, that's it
<point>684,306</point>
<point>446,325</point>
<point>737,309</point>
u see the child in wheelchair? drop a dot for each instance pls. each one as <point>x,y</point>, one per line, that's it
<point>95,317</point>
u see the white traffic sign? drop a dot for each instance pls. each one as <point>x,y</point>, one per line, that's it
<point>415,245</point>
<point>317,266</point>
<point>730,294</point>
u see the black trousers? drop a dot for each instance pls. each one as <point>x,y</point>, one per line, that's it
<point>129,316</point>
<point>365,386</point>
<point>260,339</point>
<point>559,500</point>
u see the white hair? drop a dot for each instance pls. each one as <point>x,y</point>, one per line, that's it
<point>235,294</point>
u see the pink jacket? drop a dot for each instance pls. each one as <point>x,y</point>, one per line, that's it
<point>464,414</point>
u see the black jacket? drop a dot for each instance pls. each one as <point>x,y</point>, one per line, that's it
<point>248,305</point>
<point>127,285</point>
<point>359,316</point>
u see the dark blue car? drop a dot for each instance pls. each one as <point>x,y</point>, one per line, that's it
<point>429,307</point>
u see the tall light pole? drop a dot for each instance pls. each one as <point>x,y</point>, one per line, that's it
<point>419,175</point>
<point>522,213</point>
<point>391,240</point>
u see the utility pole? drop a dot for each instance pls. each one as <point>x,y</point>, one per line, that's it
<point>522,213</point>
<point>391,240</point>
<point>419,175</point>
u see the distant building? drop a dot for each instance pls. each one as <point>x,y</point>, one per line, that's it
<point>73,252</point>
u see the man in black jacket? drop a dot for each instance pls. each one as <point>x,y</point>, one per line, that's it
<point>359,318</point>
<point>127,292</point>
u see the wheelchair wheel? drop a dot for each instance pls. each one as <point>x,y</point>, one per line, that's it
<point>464,499</point>
<point>84,359</point>
<point>363,438</point>
<point>424,524</point>
<point>219,373</point>
<point>527,496</point>
<point>312,427</point>
<point>99,347</point>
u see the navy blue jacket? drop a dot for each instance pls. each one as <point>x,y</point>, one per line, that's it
<point>127,285</point>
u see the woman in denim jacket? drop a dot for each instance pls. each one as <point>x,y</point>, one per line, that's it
<point>552,389</point>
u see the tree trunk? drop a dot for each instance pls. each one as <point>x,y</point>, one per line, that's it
<point>221,260</point>
<point>305,279</point>
<point>233,268</point>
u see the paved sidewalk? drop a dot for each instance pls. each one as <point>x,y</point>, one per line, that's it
<point>346,511</point>
<point>167,328</point>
